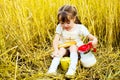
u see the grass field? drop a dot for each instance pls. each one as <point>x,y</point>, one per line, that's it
<point>27,30</point>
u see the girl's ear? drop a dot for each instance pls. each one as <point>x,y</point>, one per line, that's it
<point>74,19</point>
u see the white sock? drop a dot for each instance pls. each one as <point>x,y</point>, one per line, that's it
<point>73,63</point>
<point>54,64</point>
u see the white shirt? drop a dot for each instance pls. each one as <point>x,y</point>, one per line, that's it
<point>73,34</point>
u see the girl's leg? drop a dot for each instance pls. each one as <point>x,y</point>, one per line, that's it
<point>56,61</point>
<point>74,60</point>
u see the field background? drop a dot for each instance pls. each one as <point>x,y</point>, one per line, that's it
<point>27,29</point>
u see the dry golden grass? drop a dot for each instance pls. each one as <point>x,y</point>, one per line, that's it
<point>27,30</point>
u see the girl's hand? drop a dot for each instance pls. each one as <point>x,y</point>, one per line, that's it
<point>94,43</point>
<point>54,54</point>
<point>93,39</point>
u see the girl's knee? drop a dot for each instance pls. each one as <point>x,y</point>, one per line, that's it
<point>62,52</point>
<point>73,48</point>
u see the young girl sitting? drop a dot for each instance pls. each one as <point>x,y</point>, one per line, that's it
<point>69,29</point>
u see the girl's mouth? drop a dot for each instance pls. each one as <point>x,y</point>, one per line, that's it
<point>67,28</point>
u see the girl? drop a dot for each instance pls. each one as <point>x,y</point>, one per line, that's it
<point>68,29</point>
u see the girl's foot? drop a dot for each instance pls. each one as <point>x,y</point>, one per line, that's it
<point>70,75</point>
<point>51,73</point>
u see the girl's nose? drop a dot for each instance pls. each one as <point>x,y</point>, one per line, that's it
<point>65,25</point>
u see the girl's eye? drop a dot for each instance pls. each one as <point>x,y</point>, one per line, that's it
<point>62,23</point>
<point>65,22</point>
<point>68,22</point>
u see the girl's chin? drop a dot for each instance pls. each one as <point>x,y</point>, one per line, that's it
<point>67,28</point>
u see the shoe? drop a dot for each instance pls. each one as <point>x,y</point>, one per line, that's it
<point>70,76</point>
<point>51,73</point>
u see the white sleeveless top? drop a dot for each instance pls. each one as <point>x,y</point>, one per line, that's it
<point>73,34</point>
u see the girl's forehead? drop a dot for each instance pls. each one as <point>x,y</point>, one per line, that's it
<point>64,18</point>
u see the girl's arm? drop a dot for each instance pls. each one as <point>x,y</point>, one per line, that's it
<point>56,42</point>
<point>93,39</point>
<point>55,45</point>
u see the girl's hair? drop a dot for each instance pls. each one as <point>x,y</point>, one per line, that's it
<point>66,13</point>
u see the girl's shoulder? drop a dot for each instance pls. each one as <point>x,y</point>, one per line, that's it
<point>83,29</point>
<point>58,26</point>
<point>80,26</point>
<point>59,29</point>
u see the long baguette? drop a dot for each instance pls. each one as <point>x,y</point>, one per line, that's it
<point>67,44</point>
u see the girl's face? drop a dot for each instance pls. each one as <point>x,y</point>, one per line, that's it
<point>66,20</point>
<point>68,24</point>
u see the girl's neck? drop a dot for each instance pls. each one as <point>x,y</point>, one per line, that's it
<point>70,28</point>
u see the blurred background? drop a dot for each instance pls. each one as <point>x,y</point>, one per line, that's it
<point>27,29</point>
